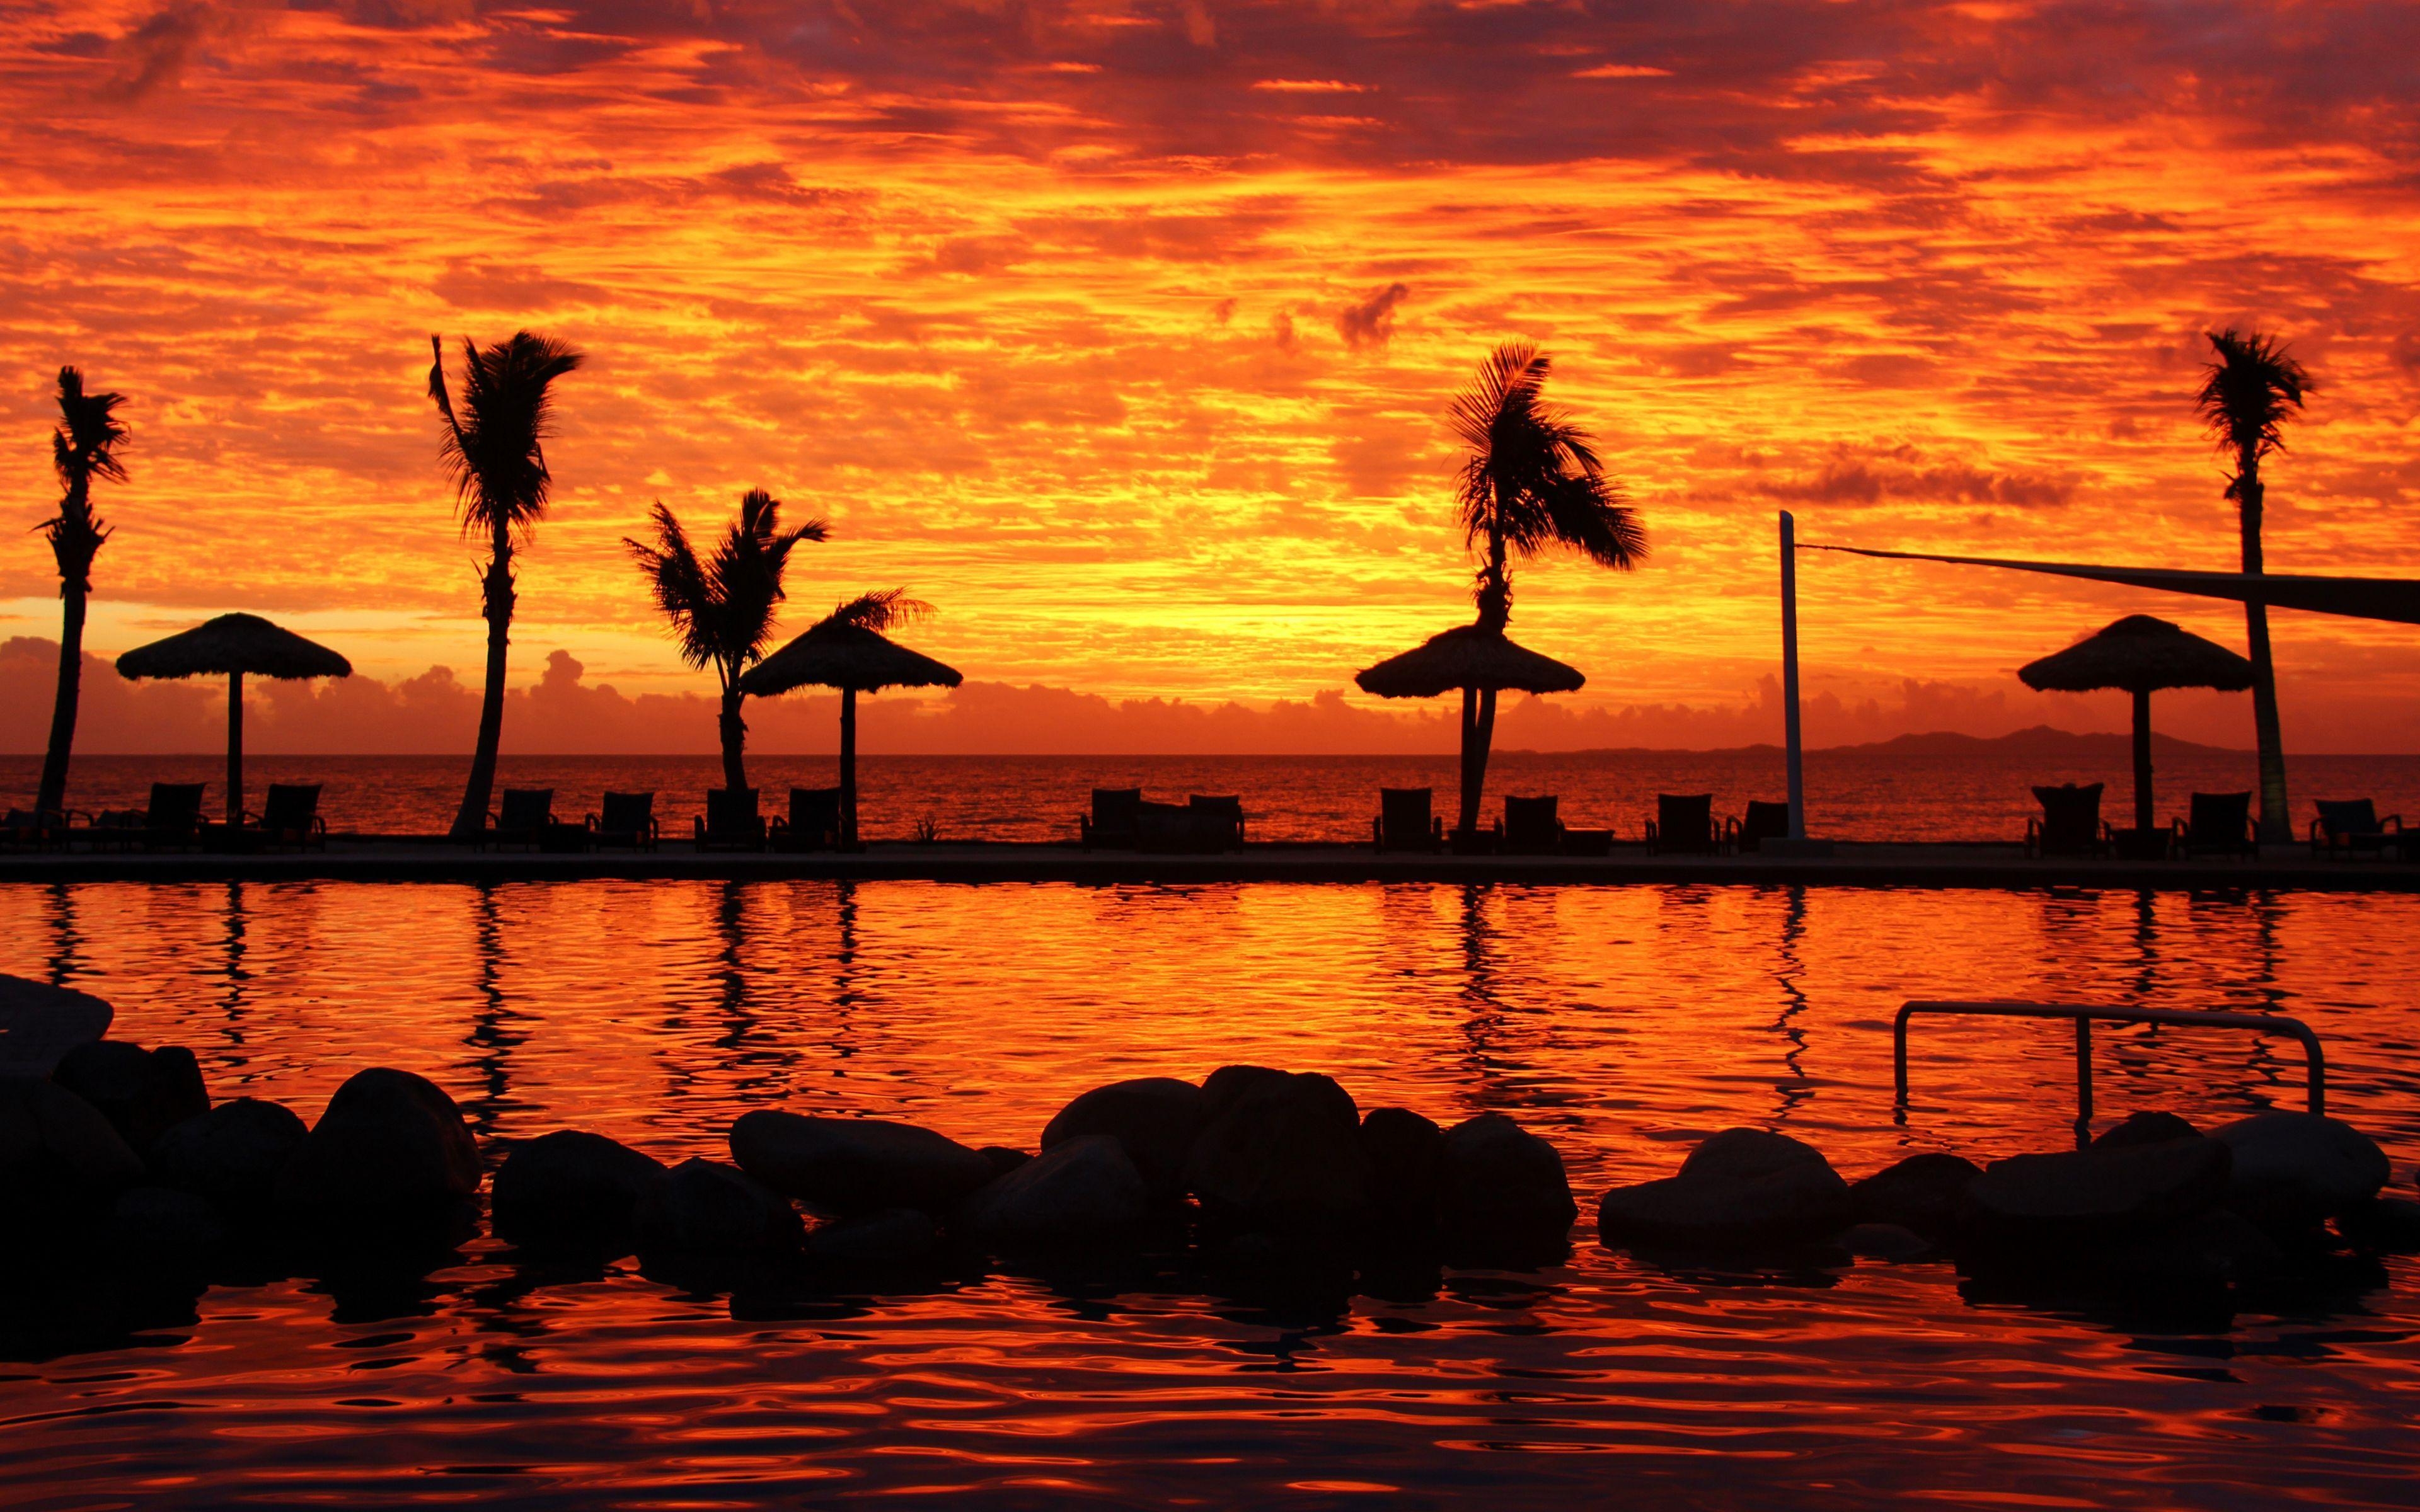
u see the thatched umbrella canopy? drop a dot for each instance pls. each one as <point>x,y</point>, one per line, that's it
<point>2140,655</point>
<point>1480,662</point>
<point>854,660</point>
<point>230,646</point>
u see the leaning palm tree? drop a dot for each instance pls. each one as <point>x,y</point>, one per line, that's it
<point>82,447</point>
<point>2245,395</point>
<point>720,607</point>
<point>1530,480</point>
<point>493,451</point>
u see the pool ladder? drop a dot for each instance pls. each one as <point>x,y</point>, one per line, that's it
<point>2085,1015</point>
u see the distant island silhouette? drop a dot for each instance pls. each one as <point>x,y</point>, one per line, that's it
<point>2036,740</point>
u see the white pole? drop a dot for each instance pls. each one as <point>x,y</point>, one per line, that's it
<point>1790,674</point>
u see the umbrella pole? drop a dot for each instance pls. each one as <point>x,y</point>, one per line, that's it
<point>2143,759</point>
<point>848,768</point>
<point>235,751</point>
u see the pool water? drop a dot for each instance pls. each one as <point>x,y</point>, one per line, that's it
<point>1621,1022</point>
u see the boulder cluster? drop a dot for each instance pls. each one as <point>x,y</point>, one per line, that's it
<point>1252,1166</point>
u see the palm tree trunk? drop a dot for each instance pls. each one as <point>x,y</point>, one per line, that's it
<point>1478,733</point>
<point>52,796</point>
<point>848,768</point>
<point>2276,819</point>
<point>472,819</point>
<point>735,740</point>
<point>2143,760</point>
<point>235,751</point>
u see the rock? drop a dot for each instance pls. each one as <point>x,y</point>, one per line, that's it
<point>2390,1223</point>
<point>2212,1248</point>
<point>143,1093</point>
<point>704,1207</point>
<point>856,1164</point>
<point>57,1153</point>
<point>392,1151</point>
<point>2298,1169</point>
<point>1884,1242</point>
<point>896,1236</point>
<point>39,1024</point>
<point>1502,1181</point>
<point>2089,1195</point>
<point>233,1154</point>
<point>572,1189</point>
<point>1285,1153</point>
<point>1406,1158</point>
<point>1078,1192</point>
<point>1925,1192</point>
<point>2144,1129</point>
<point>1221,1088</point>
<point>1001,1158</point>
<point>1741,1187</point>
<point>1155,1117</point>
<point>154,1224</point>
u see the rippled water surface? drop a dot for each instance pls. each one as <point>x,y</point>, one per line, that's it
<point>1619,1022</point>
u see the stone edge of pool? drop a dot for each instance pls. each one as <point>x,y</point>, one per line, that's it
<point>1933,865</point>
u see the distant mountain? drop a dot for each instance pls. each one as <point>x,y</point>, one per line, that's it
<point>2041,740</point>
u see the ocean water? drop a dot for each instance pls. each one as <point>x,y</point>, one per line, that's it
<point>1623,1023</point>
<point>1850,795</point>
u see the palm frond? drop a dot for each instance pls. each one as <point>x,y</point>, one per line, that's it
<point>880,611</point>
<point>494,449</point>
<point>84,446</point>
<point>1531,478</point>
<point>2247,391</point>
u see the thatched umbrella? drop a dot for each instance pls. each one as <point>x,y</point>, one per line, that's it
<point>1481,662</point>
<point>855,660</point>
<point>230,646</point>
<point>2140,655</point>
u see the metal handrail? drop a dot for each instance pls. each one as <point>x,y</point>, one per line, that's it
<point>2316,1065</point>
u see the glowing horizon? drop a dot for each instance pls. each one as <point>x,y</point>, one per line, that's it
<point>1123,331</point>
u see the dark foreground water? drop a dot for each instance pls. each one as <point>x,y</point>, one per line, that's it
<point>1850,795</point>
<point>1623,1023</point>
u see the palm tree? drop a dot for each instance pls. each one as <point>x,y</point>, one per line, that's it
<point>1530,480</point>
<point>721,608</point>
<point>2244,397</point>
<point>493,451</point>
<point>82,447</point>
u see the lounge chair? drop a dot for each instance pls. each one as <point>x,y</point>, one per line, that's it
<point>2219,823</point>
<point>1531,826</point>
<point>1167,829</point>
<point>731,822</point>
<point>1219,821</point>
<point>523,817</point>
<point>1404,822</point>
<point>289,815</point>
<point>27,829</point>
<point>2349,826</point>
<point>1762,822</point>
<point>627,820</point>
<point>813,823</point>
<point>1115,822</point>
<point>2069,823</point>
<point>171,821</point>
<point>1683,825</point>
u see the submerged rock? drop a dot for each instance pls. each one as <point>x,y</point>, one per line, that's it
<point>1081,1191</point>
<point>1155,1117</point>
<point>1884,1242</point>
<point>143,1093</point>
<point>1406,1158</point>
<point>2384,1222</point>
<point>2108,1192</point>
<point>391,1151</point>
<point>572,1189</point>
<point>856,1164</point>
<point>1285,1152</point>
<point>2299,1169</point>
<point>2144,1129</point>
<point>704,1207</point>
<point>39,1024</point>
<point>1741,1187</point>
<point>1503,1182</point>
<point>233,1154</point>
<point>57,1153</point>
<point>1925,1192</point>
<point>896,1236</point>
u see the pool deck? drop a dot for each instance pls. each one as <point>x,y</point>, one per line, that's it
<point>394,858</point>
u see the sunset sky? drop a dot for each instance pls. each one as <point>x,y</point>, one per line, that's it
<point>1122,333</point>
